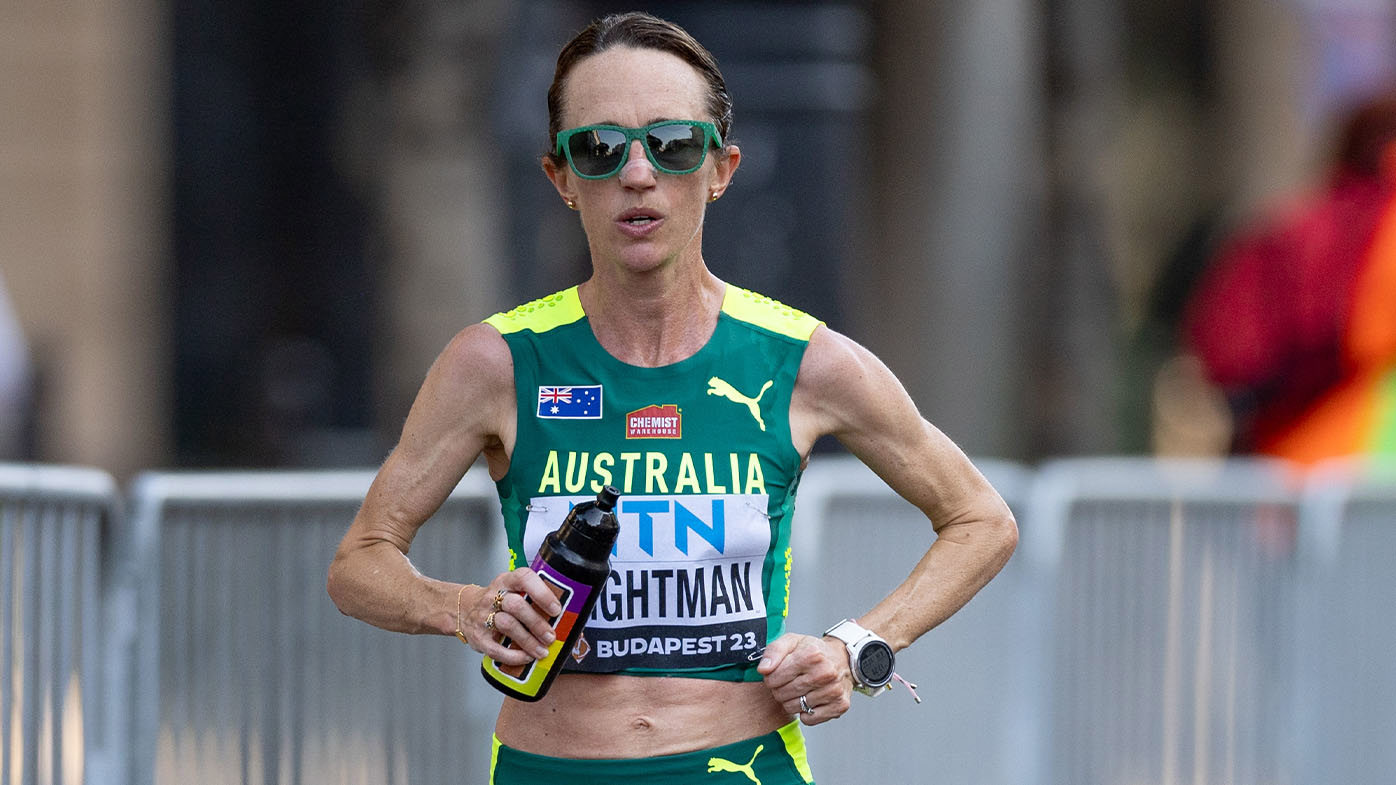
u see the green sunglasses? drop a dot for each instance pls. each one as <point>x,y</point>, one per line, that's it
<point>596,152</point>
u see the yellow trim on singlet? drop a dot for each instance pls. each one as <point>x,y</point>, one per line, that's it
<point>541,315</point>
<point>764,312</point>
<point>565,307</point>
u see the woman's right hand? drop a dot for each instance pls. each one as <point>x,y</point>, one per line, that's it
<point>516,605</point>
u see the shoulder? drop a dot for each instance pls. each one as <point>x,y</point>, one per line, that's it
<point>471,383</point>
<point>478,350</point>
<point>464,407</point>
<point>541,315</point>
<point>843,389</point>
<point>835,362</point>
<point>767,313</point>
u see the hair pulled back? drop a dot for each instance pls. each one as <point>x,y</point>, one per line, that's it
<point>638,30</point>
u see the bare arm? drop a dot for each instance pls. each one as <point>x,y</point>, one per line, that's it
<point>845,391</point>
<point>465,408</point>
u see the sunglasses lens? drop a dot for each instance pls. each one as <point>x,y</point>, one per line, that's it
<point>596,153</point>
<point>677,147</point>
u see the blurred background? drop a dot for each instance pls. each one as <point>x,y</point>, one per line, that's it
<point>236,234</point>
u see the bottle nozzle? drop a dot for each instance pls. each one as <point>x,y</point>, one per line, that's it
<point>606,500</point>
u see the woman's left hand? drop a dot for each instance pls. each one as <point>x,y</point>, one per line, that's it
<point>815,669</point>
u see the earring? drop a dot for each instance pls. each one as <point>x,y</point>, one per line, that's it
<point>713,197</point>
<point>571,205</point>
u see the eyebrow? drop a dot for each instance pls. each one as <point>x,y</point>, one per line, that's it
<point>642,125</point>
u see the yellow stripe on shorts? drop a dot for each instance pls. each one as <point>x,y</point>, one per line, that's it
<point>795,747</point>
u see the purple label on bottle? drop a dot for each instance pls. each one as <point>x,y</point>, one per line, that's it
<point>528,679</point>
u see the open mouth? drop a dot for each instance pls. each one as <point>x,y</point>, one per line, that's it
<point>638,217</point>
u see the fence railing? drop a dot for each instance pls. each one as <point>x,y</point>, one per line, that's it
<point>1345,707</point>
<point>1166,618</point>
<point>55,532</point>
<point>1161,622</point>
<point>259,678</point>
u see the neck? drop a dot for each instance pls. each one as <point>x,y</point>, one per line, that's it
<point>653,318</point>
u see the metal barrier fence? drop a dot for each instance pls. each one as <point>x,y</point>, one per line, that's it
<point>1166,621</point>
<point>1162,622</point>
<point>1346,710</point>
<point>54,527</point>
<point>260,679</point>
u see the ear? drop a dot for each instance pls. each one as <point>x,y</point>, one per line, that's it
<point>560,177</point>
<point>725,166</point>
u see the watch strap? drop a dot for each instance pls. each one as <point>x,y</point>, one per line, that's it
<point>848,631</point>
<point>853,635</point>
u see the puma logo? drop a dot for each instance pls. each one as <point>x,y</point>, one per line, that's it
<point>722,764</point>
<point>717,386</point>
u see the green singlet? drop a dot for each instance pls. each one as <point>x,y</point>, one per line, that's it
<point>702,455</point>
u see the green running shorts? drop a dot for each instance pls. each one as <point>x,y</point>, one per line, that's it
<point>777,758</point>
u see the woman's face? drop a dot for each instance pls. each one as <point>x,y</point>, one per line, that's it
<point>640,218</point>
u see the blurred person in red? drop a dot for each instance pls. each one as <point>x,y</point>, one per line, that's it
<point>1295,318</point>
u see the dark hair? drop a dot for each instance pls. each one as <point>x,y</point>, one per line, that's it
<point>1366,130</point>
<point>641,31</point>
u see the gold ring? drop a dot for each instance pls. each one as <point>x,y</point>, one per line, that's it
<point>489,620</point>
<point>499,599</point>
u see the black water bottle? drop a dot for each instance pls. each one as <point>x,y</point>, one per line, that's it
<point>574,561</point>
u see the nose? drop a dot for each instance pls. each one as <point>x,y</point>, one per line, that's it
<point>637,172</point>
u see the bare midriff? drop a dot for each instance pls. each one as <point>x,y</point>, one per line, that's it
<point>610,716</point>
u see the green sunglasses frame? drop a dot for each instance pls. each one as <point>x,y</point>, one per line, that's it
<point>633,135</point>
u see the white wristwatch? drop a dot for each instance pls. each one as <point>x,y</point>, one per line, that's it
<point>870,657</point>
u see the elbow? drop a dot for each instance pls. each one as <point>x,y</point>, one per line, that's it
<point>336,585</point>
<point>1002,533</point>
<point>1008,535</point>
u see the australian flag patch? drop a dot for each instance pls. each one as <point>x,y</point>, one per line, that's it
<point>570,403</point>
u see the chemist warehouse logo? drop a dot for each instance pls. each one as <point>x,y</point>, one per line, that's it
<point>655,422</point>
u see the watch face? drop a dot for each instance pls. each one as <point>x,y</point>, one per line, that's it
<point>875,663</point>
